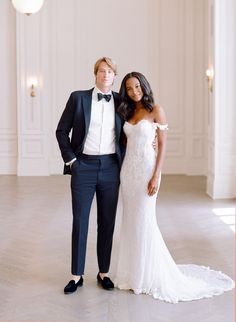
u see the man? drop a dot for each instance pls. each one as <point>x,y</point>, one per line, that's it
<point>93,157</point>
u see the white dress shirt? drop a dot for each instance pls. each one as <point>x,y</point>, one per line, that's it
<point>101,134</point>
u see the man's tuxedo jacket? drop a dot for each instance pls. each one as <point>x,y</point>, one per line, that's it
<point>76,117</point>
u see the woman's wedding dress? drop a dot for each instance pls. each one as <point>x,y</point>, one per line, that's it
<point>144,262</point>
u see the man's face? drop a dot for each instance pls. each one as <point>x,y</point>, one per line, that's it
<point>105,76</point>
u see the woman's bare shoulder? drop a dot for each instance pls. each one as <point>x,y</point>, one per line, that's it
<point>159,114</point>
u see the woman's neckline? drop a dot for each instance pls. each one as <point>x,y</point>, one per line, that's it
<point>140,121</point>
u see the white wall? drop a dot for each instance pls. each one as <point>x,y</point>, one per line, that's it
<point>221,179</point>
<point>164,39</point>
<point>8,116</point>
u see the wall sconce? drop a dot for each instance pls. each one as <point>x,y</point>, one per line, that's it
<point>32,83</point>
<point>209,77</point>
<point>27,6</point>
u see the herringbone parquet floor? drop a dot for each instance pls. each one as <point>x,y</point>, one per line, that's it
<point>35,226</point>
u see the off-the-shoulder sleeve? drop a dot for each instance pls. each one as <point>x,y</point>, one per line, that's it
<point>161,127</point>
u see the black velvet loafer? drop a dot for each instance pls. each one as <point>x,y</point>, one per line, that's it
<point>106,282</point>
<point>71,287</point>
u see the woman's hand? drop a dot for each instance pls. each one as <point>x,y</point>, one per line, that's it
<point>153,185</point>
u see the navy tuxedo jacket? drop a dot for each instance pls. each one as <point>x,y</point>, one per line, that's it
<point>76,118</point>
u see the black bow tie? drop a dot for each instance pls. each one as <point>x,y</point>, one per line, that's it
<point>106,96</point>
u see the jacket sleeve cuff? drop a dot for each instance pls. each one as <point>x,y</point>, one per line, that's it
<point>70,162</point>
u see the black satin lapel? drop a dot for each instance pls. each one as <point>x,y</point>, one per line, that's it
<point>118,122</point>
<point>86,104</point>
<point>116,100</point>
<point>117,126</point>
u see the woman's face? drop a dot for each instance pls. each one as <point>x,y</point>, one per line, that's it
<point>133,89</point>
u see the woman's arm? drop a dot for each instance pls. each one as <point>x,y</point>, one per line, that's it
<point>160,118</point>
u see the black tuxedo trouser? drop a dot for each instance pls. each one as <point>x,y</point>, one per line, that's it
<point>90,175</point>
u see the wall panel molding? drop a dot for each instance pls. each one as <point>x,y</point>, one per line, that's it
<point>8,146</point>
<point>8,118</point>
<point>32,153</point>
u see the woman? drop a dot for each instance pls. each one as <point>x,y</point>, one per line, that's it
<point>144,262</point>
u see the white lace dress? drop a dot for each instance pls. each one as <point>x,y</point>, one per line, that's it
<point>144,262</point>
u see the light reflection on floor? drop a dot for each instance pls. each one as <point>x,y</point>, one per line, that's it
<point>227,215</point>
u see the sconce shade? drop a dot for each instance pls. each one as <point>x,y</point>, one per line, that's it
<point>210,73</point>
<point>209,78</point>
<point>27,6</point>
